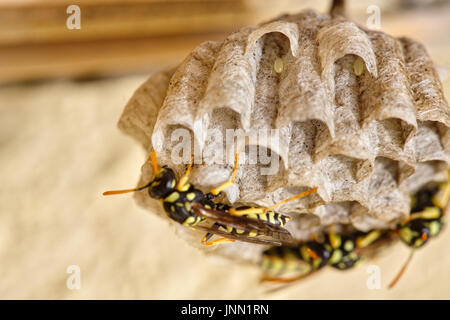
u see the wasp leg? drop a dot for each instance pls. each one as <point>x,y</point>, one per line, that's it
<point>217,241</point>
<point>300,195</point>
<point>182,184</point>
<point>206,237</point>
<point>428,213</point>
<point>284,280</point>
<point>368,239</point>
<point>219,189</point>
<point>259,210</point>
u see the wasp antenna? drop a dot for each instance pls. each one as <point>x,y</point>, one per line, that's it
<point>283,282</point>
<point>280,280</point>
<point>402,270</point>
<point>113,192</point>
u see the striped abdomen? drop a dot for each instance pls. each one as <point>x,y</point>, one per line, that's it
<point>270,217</point>
<point>284,259</point>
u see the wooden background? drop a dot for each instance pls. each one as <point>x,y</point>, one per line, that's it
<point>120,37</point>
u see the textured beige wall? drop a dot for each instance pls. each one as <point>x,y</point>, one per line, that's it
<point>60,149</point>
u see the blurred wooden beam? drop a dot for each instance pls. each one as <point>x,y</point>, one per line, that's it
<point>26,22</point>
<point>95,58</point>
<point>116,36</point>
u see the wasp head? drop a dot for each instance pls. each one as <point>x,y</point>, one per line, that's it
<point>417,232</point>
<point>163,184</point>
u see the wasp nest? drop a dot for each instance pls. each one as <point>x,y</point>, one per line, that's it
<point>358,114</point>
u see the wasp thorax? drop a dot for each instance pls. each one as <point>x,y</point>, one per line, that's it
<point>163,184</point>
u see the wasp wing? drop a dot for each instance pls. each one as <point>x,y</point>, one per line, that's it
<point>274,234</point>
<point>238,222</point>
<point>255,240</point>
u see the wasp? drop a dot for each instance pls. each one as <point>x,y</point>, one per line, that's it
<point>344,251</point>
<point>191,207</point>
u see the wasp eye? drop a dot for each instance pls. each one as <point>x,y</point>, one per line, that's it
<point>163,184</point>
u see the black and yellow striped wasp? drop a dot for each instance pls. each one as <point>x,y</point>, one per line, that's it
<point>340,251</point>
<point>343,251</point>
<point>191,207</point>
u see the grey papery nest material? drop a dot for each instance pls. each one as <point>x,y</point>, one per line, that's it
<point>361,115</point>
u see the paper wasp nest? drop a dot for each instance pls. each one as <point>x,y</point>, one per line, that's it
<point>359,114</point>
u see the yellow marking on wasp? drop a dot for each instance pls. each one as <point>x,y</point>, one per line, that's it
<point>341,265</point>
<point>335,240</point>
<point>172,184</point>
<point>277,264</point>
<point>353,256</point>
<point>271,217</point>
<point>317,262</point>
<point>241,212</point>
<point>358,66</point>
<point>435,227</point>
<point>179,204</point>
<point>366,240</point>
<point>405,234</point>
<point>174,196</point>
<point>262,217</point>
<point>184,187</point>
<point>292,265</point>
<point>428,213</point>
<point>252,216</point>
<point>265,263</point>
<point>418,242</point>
<point>189,221</point>
<point>304,253</point>
<point>441,198</point>
<point>229,229</point>
<point>155,183</point>
<point>336,256</point>
<point>253,233</point>
<point>172,208</point>
<point>188,206</point>
<point>240,231</point>
<point>190,196</point>
<point>349,245</point>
